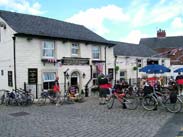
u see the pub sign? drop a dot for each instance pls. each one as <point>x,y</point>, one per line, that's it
<point>32,75</point>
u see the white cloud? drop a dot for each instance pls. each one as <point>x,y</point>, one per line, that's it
<point>94,18</point>
<point>22,6</point>
<point>148,13</point>
<point>134,37</point>
<point>177,23</point>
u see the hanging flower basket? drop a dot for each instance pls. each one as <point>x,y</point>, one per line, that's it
<point>117,68</point>
<point>135,68</point>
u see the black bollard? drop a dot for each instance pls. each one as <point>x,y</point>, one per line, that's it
<point>86,91</point>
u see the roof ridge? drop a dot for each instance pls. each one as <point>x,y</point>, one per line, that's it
<point>43,17</point>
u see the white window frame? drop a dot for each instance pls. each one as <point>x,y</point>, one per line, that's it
<point>52,48</point>
<point>96,50</point>
<point>122,76</point>
<point>75,50</point>
<point>139,63</point>
<point>49,78</point>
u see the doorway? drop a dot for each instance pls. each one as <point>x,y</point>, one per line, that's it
<point>75,78</point>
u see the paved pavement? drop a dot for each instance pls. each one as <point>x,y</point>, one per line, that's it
<point>86,119</point>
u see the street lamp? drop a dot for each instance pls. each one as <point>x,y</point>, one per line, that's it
<point>66,75</point>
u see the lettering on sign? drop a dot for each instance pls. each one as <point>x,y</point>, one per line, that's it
<point>32,76</point>
<point>75,61</point>
<point>10,78</point>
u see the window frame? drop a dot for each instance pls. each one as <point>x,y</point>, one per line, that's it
<point>75,47</point>
<point>139,63</point>
<point>49,82</point>
<point>122,77</point>
<point>95,53</point>
<point>48,48</point>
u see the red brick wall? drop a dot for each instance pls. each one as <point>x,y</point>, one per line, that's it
<point>174,58</point>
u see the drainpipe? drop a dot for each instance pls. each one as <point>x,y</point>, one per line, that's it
<point>14,59</point>
<point>105,61</point>
<point>115,70</point>
<point>86,86</point>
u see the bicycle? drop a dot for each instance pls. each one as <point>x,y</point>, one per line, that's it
<point>153,100</point>
<point>4,96</point>
<point>49,95</point>
<point>128,102</point>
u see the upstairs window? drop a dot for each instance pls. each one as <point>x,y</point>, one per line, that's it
<point>96,53</point>
<point>75,49</point>
<point>48,49</point>
<point>139,62</point>
<point>163,62</point>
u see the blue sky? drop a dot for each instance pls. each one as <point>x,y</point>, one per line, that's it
<point>119,20</point>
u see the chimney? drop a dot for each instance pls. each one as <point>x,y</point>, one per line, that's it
<point>161,33</point>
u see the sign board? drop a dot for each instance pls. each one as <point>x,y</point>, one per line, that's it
<point>75,61</point>
<point>32,75</point>
<point>10,78</point>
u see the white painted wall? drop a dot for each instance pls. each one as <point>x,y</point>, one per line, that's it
<point>28,55</point>
<point>6,54</point>
<point>128,63</point>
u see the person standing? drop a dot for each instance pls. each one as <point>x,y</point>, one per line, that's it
<point>179,81</point>
<point>103,89</point>
<point>56,89</point>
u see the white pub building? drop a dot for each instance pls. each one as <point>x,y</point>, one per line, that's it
<point>34,50</point>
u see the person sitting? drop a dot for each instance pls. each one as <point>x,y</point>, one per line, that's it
<point>73,92</point>
<point>118,86</point>
<point>124,84</point>
<point>157,86</point>
<point>147,88</point>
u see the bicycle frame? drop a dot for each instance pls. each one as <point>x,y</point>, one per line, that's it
<point>119,96</point>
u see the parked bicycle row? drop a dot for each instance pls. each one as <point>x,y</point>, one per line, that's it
<point>20,97</point>
<point>149,98</point>
<point>16,97</point>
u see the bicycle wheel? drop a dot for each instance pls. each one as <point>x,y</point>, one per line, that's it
<point>149,103</point>
<point>31,98</point>
<point>110,102</point>
<point>131,102</point>
<point>173,107</point>
<point>60,100</point>
<point>41,100</point>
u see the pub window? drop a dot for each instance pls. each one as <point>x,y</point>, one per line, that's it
<point>48,49</point>
<point>75,49</point>
<point>95,52</point>
<point>48,80</point>
<point>163,62</point>
<point>2,72</point>
<point>122,75</point>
